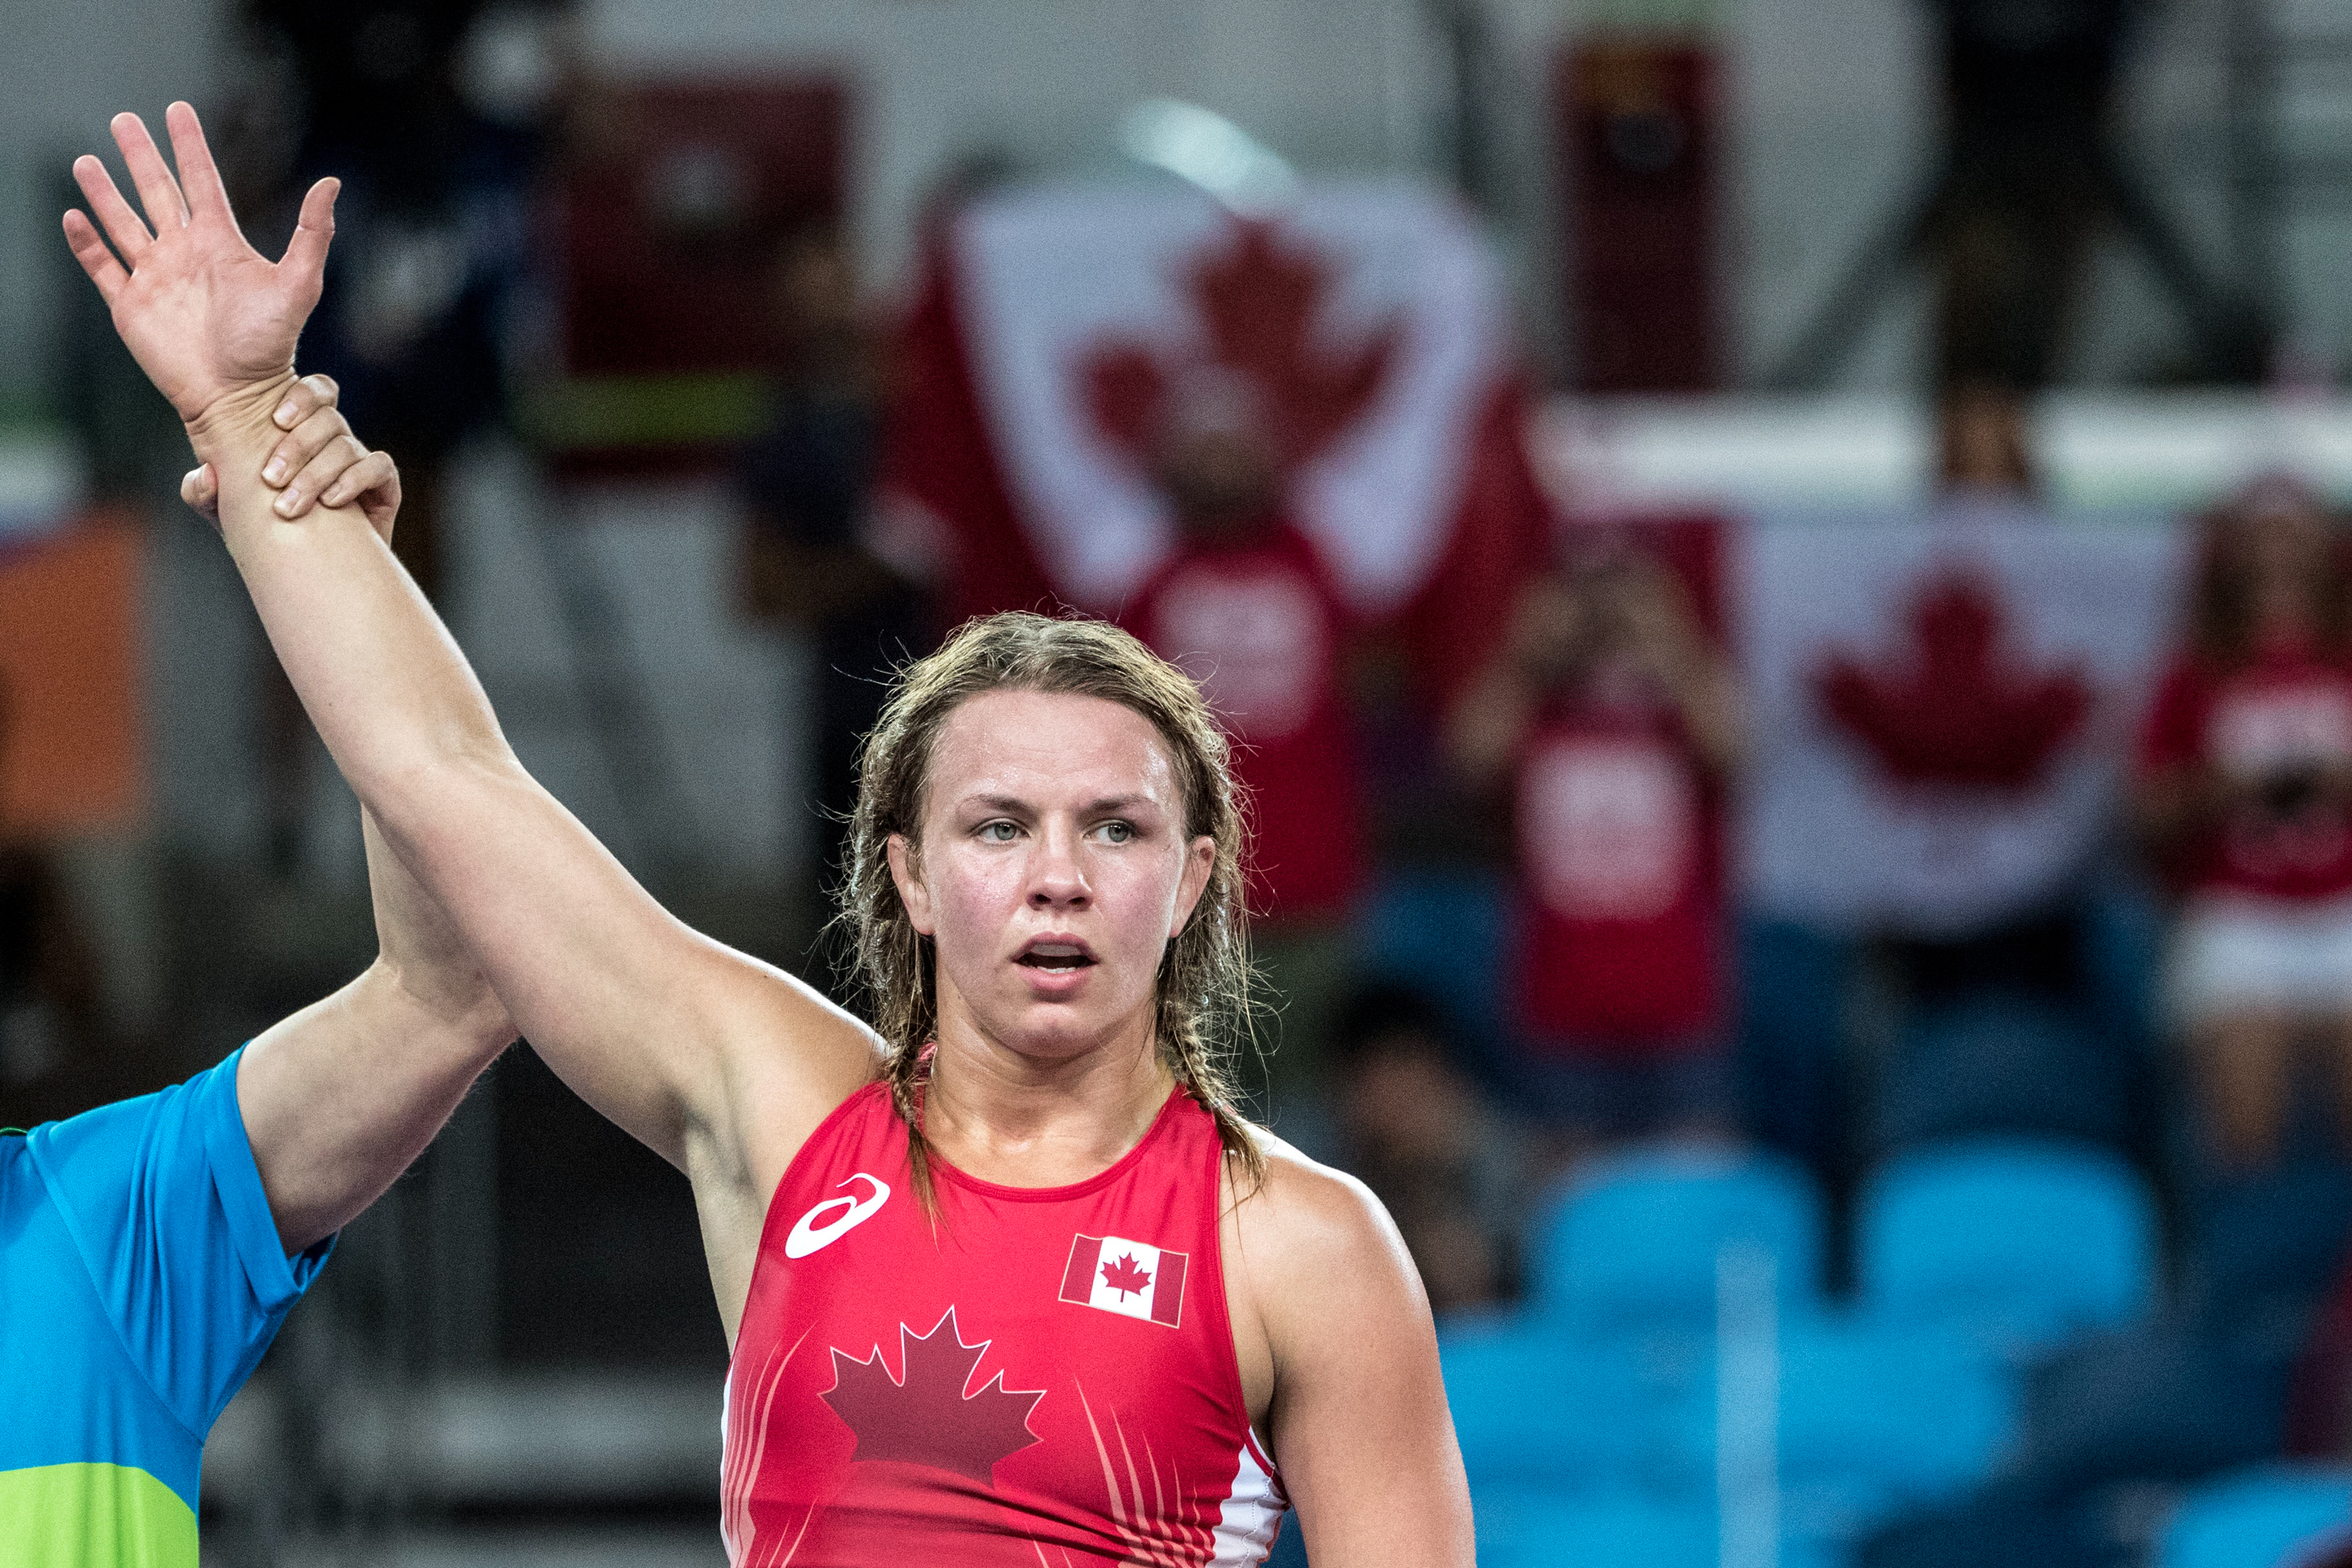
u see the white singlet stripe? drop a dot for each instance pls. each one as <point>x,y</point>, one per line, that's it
<point>1252,1513</point>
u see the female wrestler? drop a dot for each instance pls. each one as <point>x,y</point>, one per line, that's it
<point>1011,1283</point>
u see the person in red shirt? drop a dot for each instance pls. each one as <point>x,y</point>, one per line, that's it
<point>1006,1276</point>
<point>1615,723</point>
<point>2245,790</point>
<point>1246,606</point>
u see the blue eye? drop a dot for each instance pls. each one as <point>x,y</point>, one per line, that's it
<point>997,832</point>
<point>1118,831</point>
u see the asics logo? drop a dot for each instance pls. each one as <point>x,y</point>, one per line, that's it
<point>818,1228</point>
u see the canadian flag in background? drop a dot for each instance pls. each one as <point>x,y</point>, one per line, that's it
<point>1369,318</point>
<point>1940,707</point>
<point>1127,1277</point>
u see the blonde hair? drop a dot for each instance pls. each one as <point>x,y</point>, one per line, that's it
<point>1202,1004</point>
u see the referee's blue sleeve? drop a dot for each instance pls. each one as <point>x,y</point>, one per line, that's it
<point>166,1208</point>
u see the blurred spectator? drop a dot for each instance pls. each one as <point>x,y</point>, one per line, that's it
<point>1982,450</point>
<point>2319,1409</point>
<point>2245,790</point>
<point>1245,606</point>
<point>805,482</point>
<point>48,986</point>
<point>1615,721</point>
<point>1454,1174</point>
<point>2029,85</point>
<point>435,115</point>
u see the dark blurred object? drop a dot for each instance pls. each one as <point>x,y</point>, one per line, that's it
<point>50,1005</point>
<point>2029,91</point>
<point>2262,1246</point>
<point>806,481</point>
<point>2014,1530</point>
<point>599,1256</point>
<point>2031,170</point>
<point>1413,1125</point>
<point>680,196</point>
<point>437,134</point>
<point>2002,1060</point>
<point>2175,1399</point>
<point>1792,1071</point>
<point>1636,126</point>
<point>2319,1408</point>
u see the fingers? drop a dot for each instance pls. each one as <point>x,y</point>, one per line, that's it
<point>306,253</point>
<point>304,398</point>
<point>314,435</point>
<point>342,451</point>
<point>159,194</point>
<point>375,471</point>
<point>122,225</point>
<point>199,176</point>
<point>375,482</point>
<point>105,271</point>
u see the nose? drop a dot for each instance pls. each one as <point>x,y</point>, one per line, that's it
<point>1056,879</point>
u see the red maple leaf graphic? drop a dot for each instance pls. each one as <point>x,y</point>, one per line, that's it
<point>1259,300</point>
<point>1961,712</point>
<point>1125,1278</point>
<point>926,1417</point>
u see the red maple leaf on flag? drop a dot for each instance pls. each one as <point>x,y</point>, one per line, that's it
<point>1125,1278</point>
<point>1260,299</point>
<point>1961,711</point>
<point>925,1417</point>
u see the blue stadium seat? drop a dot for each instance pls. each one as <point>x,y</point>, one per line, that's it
<point>1533,1408</point>
<point>1630,1242</point>
<point>2023,1241</point>
<point>1874,1420</point>
<point>2002,1064</point>
<point>2275,1517</point>
<point>1533,1529</point>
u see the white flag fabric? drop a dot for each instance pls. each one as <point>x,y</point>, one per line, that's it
<point>1941,707</point>
<point>1066,287</point>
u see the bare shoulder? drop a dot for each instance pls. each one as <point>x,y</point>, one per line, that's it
<point>1301,1201</point>
<point>786,1055</point>
<point>1332,1238</point>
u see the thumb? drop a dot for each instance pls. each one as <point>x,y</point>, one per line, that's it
<point>306,253</point>
<point>201,489</point>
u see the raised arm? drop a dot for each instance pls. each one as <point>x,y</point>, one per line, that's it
<point>340,1098</point>
<point>672,1035</point>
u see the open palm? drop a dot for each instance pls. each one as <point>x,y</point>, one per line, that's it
<point>202,311</point>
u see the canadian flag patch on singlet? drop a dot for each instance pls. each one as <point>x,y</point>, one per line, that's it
<point>1125,1276</point>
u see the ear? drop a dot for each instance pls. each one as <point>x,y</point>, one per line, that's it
<point>906,874</point>
<point>1200,859</point>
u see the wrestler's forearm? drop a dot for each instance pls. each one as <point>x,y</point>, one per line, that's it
<point>589,966</point>
<point>384,681</point>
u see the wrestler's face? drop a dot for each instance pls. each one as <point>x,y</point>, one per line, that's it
<point>1053,871</point>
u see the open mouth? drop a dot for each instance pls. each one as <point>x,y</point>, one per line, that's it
<point>1057,957</point>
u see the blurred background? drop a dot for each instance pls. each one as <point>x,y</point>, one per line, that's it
<point>1779,568</point>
